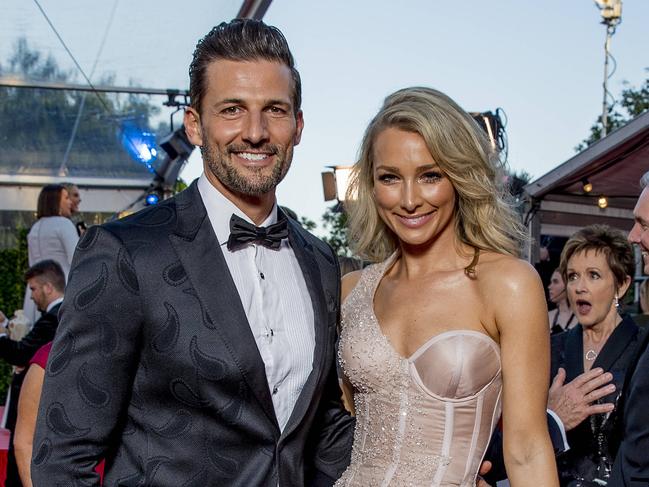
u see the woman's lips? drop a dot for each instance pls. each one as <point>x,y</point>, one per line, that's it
<point>583,306</point>
<point>415,221</point>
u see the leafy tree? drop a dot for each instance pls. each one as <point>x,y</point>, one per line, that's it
<point>334,221</point>
<point>13,263</point>
<point>632,102</point>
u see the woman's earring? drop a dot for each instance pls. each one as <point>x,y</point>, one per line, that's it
<point>617,302</point>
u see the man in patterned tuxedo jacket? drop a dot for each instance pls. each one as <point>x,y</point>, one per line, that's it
<point>196,345</point>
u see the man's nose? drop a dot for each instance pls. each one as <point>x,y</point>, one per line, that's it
<point>256,128</point>
<point>635,233</point>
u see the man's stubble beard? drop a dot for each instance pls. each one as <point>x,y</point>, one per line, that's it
<point>254,182</point>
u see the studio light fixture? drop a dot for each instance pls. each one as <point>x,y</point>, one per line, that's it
<point>139,143</point>
<point>602,201</point>
<point>586,185</point>
<point>335,182</point>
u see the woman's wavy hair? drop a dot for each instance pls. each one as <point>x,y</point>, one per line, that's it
<point>601,238</point>
<point>484,217</point>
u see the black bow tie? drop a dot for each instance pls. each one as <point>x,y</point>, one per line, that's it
<point>242,232</point>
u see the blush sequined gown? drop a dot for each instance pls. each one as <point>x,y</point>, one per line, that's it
<point>424,420</point>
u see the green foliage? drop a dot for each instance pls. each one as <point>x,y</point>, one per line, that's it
<point>307,223</point>
<point>334,220</point>
<point>13,264</point>
<point>633,102</point>
<point>180,185</point>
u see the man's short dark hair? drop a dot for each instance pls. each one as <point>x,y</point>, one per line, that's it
<point>240,40</point>
<point>48,271</point>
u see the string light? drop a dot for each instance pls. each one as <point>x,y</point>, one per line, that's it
<point>602,202</point>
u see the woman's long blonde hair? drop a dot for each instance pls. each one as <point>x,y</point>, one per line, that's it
<point>484,219</point>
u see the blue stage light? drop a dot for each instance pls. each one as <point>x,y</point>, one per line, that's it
<point>139,144</point>
<point>152,199</point>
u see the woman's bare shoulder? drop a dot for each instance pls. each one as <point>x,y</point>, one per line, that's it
<point>506,273</point>
<point>349,282</point>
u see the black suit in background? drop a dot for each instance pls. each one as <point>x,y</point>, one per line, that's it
<point>19,353</point>
<point>631,467</point>
<point>592,441</point>
<point>161,372</point>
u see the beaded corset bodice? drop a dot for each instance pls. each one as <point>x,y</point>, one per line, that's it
<point>421,420</point>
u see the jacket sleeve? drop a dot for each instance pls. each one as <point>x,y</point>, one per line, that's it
<point>21,352</point>
<point>90,370</point>
<point>631,467</point>
<point>334,442</point>
<point>334,426</point>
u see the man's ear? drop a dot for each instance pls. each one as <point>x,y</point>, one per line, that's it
<point>48,288</point>
<point>192,121</point>
<point>299,122</point>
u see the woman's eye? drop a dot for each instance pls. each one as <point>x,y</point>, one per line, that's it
<point>594,275</point>
<point>387,178</point>
<point>572,276</point>
<point>431,176</point>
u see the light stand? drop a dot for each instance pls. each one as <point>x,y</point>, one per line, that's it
<point>611,11</point>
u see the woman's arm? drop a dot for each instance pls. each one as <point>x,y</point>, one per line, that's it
<point>348,283</point>
<point>522,321</point>
<point>30,395</point>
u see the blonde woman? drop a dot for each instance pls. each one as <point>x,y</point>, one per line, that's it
<point>449,327</point>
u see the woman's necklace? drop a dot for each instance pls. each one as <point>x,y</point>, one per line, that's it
<point>591,354</point>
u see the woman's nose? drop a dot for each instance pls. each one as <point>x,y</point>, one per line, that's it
<point>410,199</point>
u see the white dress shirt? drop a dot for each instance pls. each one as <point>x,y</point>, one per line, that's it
<point>275,299</point>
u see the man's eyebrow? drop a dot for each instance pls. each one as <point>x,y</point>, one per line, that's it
<point>229,100</point>
<point>240,101</point>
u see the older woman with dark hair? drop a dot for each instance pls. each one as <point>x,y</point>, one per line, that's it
<point>52,236</point>
<point>596,264</point>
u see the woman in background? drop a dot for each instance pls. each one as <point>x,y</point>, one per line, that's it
<point>30,397</point>
<point>561,318</point>
<point>597,264</point>
<point>52,236</point>
<point>447,325</point>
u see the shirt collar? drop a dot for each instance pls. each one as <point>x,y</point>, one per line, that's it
<point>54,303</point>
<point>220,209</point>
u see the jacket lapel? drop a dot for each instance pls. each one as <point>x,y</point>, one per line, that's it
<point>304,253</point>
<point>199,251</point>
<point>574,352</point>
<point>616,344</point>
